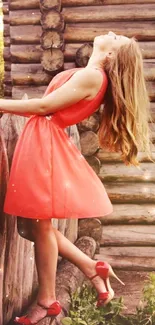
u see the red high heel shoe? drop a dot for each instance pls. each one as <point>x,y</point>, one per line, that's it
<point>104,270</point>
<point>52,311</point>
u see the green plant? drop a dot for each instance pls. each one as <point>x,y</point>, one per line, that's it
<point>83,309</point>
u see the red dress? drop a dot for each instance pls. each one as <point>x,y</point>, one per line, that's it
<point>49,176</point>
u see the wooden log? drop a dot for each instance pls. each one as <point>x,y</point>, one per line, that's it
<point>31,91</point>
<point>28,35</point>
<point>129,193</point>
<point>5,9</point>
<point>25,17</point>
<point>149,70</point>
<point>47,5</point>
<point>152,107</point>
<point>94,162</point>
<point>89,124</point>
<point>12,126</point>
<point>52,60</point>
<point>52,19</point>
<point>128,235</point>
<point>26,4</point>
<point>27,68</point>
<point>69,65</point>
<point>6,41</point>
<point>148,50</point>
<point>52,39</point>
<point>83,54</point>
<point>130,214</point>
<point>91,228</point>
<point>17,270</point>
<point>71,230</point>
<point>6,30</point>
<point>7,78</point>
<point>7,65</point>
<point>151,90</point>
<point>132,12</point>
<point>26,53</point>
<point>29,74</point>
<point>109,157</point>
<point>76,3</point>
<point>22,78</point>
<point>85,32</point>
<point>6,19</point>
<point>89,143</point>
<point>7,90</point>
<point>121,173</point>
<point>7,54</point>
<point>129,258</point>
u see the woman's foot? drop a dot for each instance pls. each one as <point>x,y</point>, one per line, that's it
<point>38,312</point>
<point>102,286</point>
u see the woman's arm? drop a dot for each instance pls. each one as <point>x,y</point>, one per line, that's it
<point>79,86</point>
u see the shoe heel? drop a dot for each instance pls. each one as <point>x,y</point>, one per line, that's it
<point>54,309</point>
<point>112,273</point>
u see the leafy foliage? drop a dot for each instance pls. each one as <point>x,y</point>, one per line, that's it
<point>83,309</point>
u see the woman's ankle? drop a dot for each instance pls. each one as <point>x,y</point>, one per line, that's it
<point>46,300</point>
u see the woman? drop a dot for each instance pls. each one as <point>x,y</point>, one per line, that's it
<point>51,179</point>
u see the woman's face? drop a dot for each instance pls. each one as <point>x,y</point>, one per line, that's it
<point>110,41</point>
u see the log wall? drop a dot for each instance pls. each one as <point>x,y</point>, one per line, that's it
<point>41,38</point>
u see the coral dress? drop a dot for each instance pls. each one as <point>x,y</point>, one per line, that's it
<point>49,176</point>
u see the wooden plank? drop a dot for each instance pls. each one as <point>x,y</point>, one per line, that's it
<point>130,214</point>
<point>81,32</point>
<point>121,173</point>
<point>128,235</point>
<point>131,193</point>
<point>129,258</point>
<point>102,13</point>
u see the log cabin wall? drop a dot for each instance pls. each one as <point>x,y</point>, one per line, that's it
<point>31,29</point>
<point>28,66</point>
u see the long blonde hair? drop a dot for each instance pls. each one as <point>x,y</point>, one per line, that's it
<point>124,124</point>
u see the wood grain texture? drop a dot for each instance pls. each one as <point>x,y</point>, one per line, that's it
<point>85,32</point>
<point>122,173</point>
<point>102,13</point>
<point>130,214</point>
<point>129,258</point>
<point>128,235</point>
<point>131,193</point>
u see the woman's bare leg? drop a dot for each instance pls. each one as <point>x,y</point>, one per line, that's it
<point>48,241</point>
<point>46,256</point>
<point>71,252</point>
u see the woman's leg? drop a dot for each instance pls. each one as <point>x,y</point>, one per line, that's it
<point>67,250</point>
<point>46,256</point>
<point>87,265</point>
